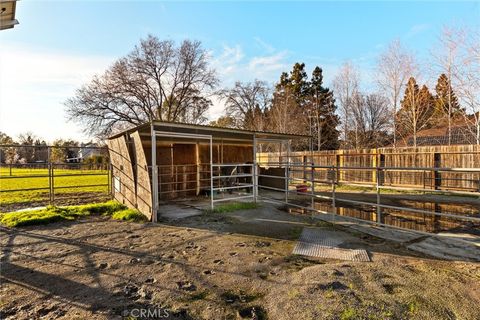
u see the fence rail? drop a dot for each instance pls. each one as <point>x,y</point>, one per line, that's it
<point>57,175</point>
<point>438,168</point>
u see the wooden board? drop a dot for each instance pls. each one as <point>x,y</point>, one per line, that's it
<point>122,172</point>
<point>143,182</point>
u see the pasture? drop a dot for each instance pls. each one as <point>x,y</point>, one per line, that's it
<point>27,186</point>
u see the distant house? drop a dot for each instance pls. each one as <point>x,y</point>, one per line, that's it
<point>86,151</point>
<point>89,150</point>
<point>463,132</point>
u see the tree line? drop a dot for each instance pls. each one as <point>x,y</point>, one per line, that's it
<point>160,80</point>
<point>29,148</point>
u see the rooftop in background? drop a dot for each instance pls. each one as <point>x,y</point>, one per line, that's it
<point>216,132</point>
<point>7,14</point>
<point>463,132</point>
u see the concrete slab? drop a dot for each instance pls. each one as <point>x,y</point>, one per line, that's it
<point>447,248</point>
<point>472,239</point>
<point>445,245</point>
<point>175,212</point>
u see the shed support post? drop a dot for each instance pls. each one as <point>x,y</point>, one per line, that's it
<point>254,170</point>
<point>211,173</point>
<point>197,163</point>
<point>287,173</point>
<point>154,175</point>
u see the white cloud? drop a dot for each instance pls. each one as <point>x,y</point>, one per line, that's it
<point>263,45</point>
<point>232,65</point>
<point>228,60</point>
<point>417,29</point>
<point>35,82</point>
<point>266,64</point>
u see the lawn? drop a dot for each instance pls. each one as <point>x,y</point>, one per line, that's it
<point>66,181</point>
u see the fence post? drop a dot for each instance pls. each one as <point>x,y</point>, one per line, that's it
<point>334,178</point>
<point>49,166</point>
<point>312,183</point>
<point>437,182</point>
<point>338,160</point>
<point>304,161</point>
<point>53,183</point>
<point>379,209</point>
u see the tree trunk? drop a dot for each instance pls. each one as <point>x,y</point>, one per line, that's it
<point>395,124</point>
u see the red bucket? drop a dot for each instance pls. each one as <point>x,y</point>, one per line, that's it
<point>302,188</point>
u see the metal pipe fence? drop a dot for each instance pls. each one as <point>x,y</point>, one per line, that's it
<point>314,176</point>
<point>55,175</point>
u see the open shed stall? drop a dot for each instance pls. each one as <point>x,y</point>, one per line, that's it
<point>161,161</point>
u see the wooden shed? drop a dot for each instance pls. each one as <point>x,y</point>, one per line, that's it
<point>160,161</point>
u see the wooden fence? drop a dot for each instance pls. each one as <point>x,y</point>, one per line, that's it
<point>367,160</point>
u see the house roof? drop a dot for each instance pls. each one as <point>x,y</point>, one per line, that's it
<point>462,132</point>
<point>215,132</point>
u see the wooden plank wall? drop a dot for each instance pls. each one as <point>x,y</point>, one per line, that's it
<point>144,189</point>
<point>122,171</point>
<point>459,156</point>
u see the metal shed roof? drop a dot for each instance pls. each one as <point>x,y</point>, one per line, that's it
<point>215,132</point>
<point>7,14</point>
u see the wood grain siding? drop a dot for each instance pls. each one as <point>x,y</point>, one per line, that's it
<point>143,182</point>
<point>122,172</point>
<point>226,153</point>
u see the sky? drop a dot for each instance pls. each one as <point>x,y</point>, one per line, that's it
<point>60,45</point>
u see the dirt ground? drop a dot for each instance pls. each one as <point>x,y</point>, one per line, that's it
<point>221,266</point>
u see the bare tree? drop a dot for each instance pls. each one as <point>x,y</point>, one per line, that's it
<point>286,115</point>
<point>447,59</point>
<point>394,66</point>
<point>466,74</point>
<point>156,81</point>
<point>370,113</point>
<point>247,102</point>
<point>345,88</point>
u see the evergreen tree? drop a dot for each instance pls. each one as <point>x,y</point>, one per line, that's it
<point>298,83</point>
<point>321,110</point>
<point>417,110</point>
<point>286,114</point>
<point>446,104</point>
<point>303,106</point>
<point>427,103</point>
<point>446,101</point>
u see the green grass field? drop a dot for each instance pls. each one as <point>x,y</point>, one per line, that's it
<point>66,182</point>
